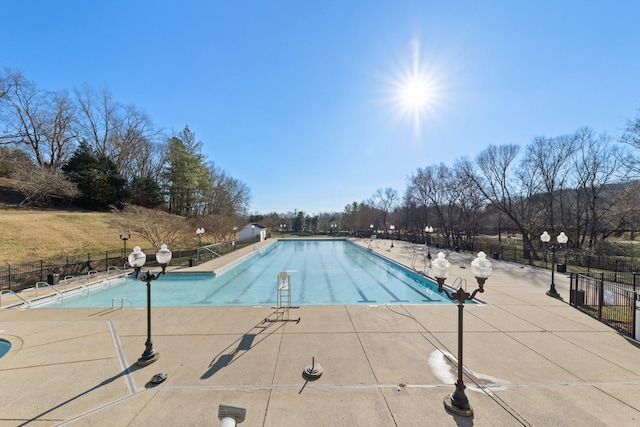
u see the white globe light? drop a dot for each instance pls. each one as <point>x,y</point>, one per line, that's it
<point>137,258</point>
<point>163,256</point>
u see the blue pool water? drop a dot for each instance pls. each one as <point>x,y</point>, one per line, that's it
<point>4,347</point>
<point>322,273</point>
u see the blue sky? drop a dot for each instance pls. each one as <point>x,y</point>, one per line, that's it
<point>301,100</point>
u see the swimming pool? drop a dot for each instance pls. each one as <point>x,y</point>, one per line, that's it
<point>4,347</point>
<point>333,272</point>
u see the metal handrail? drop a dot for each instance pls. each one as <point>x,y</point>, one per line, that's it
<point>51,286</point>
<point>207,248</point>
<point>121,301</point>
<point>9,291</point>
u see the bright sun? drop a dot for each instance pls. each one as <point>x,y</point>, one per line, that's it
<point>416,91</point>
<point>415,94</point>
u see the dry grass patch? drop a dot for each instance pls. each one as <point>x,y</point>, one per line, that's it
<point>33,235</point>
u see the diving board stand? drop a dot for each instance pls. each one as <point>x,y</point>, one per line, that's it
<point>283,304</point>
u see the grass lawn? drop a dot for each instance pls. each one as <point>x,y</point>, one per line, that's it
<point>30,235</point>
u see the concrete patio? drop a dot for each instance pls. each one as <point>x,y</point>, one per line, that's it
<point>536,361</point>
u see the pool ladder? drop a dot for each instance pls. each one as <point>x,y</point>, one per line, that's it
<point>121,301</point>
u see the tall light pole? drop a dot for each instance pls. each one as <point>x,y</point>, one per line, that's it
<point>457,402</point>
<point>199,233</point>
<point>391,227</point>
<point>124,240</point>
<point>136,259</point>
<point>428,229</point>
<point>562,239</point>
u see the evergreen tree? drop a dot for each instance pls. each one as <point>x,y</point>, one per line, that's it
<point>145,192</point>
<point>186,177</point>
<point>96,177</point>
<point>298,221</point>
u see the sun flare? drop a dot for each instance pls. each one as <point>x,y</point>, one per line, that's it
<point>416,90</point>
<point>415,94</point>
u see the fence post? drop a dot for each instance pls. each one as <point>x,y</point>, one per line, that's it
<point>571,291</point>
<point>600,296</point>
<point>635,311</point>
<point>41,271</point>
<point>10,281</point>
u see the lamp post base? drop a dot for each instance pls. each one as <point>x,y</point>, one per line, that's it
<point>466,411</point>
<point>553,294</point>
<point>148,359</point>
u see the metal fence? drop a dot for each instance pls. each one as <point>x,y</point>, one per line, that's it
<point>610,302</point>
<point>16,277</point>
<point>519,255</point>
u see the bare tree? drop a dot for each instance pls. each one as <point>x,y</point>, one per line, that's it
<point>547,158</point>
<point>229,196</point>
<point>631,137</point>
<point>44,187</point>
<point>218,228</point>
<point>428,189</point>
<point>446,193</point>
<point>37,121</point>
<point>125,134</point>
<point>509,186</point>
<point>97,119</point>
<point>385,200</point>
<point>595,165</point>
<point>157,227</point>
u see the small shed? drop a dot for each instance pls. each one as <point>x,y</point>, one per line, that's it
<point>251,231</point>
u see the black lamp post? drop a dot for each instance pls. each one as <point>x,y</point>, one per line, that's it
<point>428,229</point>
<point>199,233</point>
<point>457,402</point>
<point>391,227</point>
<point>137,258</point>
<point>124,240</point>
<point>562,239</point>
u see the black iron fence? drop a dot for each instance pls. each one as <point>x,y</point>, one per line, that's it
<point>15,277</point>
<point>610,302</point>
<point>519,255</point>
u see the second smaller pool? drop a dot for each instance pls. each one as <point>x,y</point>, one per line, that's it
<point>4,347</point>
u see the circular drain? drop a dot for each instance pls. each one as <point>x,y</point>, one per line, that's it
<point>158,378</point>
<point>312,372</point>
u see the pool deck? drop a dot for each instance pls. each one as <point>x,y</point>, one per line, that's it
<point>538,361</point>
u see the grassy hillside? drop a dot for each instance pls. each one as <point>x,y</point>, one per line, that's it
<point>29,235</point>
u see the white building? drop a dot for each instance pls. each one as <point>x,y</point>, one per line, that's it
<point>251,231</point>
